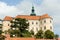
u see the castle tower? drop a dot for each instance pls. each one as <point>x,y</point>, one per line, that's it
<point>33,12</point>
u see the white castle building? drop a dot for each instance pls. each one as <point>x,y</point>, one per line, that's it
<point>43,22</point>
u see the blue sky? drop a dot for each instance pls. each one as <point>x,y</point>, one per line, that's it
<point>11,2</point>
<point>18,7</point>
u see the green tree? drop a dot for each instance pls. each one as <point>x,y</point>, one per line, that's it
<point>14,32</point>
<point>1,32</point>
<point>49,34</point>
<point>32,33</point>
<point>19,27</point>
<point>2,37</point>
<point>20,23</point>
<point>26,33</point>
<point>56,36</point>
<point>0,28</point>
<point>39,34</point>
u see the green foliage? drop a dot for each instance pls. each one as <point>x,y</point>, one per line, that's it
<point>22,25</point>
<point>26,33</point>
<point>39,34</point>
<point>1,28</point>
<point>32,32</point>
<point>49,34</point>
<point>15,32</point>
<point>56,36</point>
<point>0,31</point>
<point>2,37</point>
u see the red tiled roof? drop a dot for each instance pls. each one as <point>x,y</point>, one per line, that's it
<point>28,17</point>
<point>45,16</point>
<point>8,18</point>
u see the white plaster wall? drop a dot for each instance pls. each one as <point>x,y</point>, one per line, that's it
<point>5,26</point>
<point>35,27</point>
<point>47,24</point>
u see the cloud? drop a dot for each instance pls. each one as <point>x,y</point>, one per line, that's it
<point>6,9</point>
<point>52,7</point>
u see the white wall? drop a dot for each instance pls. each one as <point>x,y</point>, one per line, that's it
<point>35,27</point>
<point>47,24</point>
<point>6,25</point>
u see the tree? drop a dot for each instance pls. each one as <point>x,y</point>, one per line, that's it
<point>26,33</point>
<point>2,37</point>
<point>20,23</point>
<point>39,34</point>
<point>14,32</point>
<point>49,34</point>
<point>19,26</point>
<point>56,36</point>
<point>32,33</point>
<point>0,28</point>
<point>0,31</point>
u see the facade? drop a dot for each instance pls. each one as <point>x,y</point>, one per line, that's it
<point>43,22</point>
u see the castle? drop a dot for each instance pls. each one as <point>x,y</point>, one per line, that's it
<point>43,22</point>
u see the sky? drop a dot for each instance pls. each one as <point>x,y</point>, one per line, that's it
<point>23,7</point>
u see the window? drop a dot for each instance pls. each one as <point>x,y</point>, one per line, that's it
<point>44,21</point>
<point>41,22</point>
<point>36,29</point>
<point>50,21</point>
<point>50,27</point>
<point>44,27</point>
<point>41,28</point>
<point>36,22</point>
<point>32,23</point>
<point>8,24</point>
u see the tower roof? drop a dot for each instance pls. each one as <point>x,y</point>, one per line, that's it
<point>33,12</point>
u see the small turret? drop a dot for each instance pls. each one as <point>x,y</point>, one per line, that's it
<point>33,12</point>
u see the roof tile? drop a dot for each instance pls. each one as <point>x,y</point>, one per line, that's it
<point>8,18</point>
